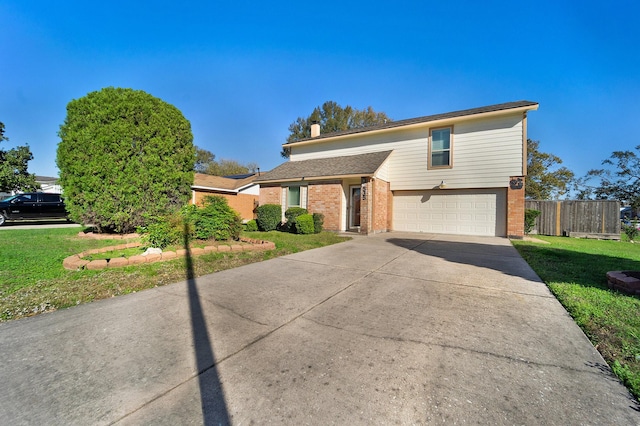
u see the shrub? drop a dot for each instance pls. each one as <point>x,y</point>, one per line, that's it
<point>318,221</point>
<point>269,216</point>
<point>304,224</point>
<point>630,231</point>
<point>251,225</point>
<point>164,231</point>
<point>530,216</point>
<point>291,216</point>
<point>216,220</point>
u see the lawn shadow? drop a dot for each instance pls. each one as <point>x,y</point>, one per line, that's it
<point>214,407</point>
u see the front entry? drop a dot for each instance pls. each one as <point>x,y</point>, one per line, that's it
<point>354,207</point>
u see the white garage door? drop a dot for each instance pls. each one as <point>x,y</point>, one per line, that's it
<point>465,212</point>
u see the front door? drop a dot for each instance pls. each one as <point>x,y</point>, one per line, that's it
<point>354,207</point>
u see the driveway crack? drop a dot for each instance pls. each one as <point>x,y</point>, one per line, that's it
<point>445,346</point>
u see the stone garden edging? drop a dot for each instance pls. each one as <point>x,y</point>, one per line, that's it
<point>624,281</point>
<point>77,261</point>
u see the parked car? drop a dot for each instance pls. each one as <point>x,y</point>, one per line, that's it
<point>32,206</point>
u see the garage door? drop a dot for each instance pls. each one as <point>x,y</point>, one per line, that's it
<point>465,212</point>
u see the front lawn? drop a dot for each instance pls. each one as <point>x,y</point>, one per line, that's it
<point>32,279</point>
<point>574,269</point>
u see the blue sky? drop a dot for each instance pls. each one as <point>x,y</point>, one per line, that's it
<point>242,71</point>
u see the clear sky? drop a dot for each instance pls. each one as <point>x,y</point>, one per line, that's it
<point>242,71</point>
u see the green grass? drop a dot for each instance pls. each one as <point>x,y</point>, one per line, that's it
<point>575,271</point>
<point>32,279</point>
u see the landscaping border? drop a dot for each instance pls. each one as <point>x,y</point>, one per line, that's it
<point>624,281</point>
<point>77,261</point>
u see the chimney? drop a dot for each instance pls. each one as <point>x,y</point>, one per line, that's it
<point>315,129</point>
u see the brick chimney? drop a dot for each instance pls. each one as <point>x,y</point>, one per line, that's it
<point>315,129</point>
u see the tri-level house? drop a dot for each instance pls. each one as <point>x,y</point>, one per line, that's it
<point>460,172</point>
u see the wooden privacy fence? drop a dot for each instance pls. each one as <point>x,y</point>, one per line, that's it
<point>577,218</point>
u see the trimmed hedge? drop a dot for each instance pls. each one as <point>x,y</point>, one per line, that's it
<point>318,221</point>
<point>269,216</point>
<point>304,224</point>
<point>291,216</point>
<point>251,225</point>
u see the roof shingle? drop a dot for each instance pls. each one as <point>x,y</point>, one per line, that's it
<point>361,164</point>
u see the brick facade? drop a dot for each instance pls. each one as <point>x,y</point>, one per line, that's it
<point>381,206</point>
<point>270,195</point>
<point>375,210</point>
<point>326,198</point>
<point>515,207</point>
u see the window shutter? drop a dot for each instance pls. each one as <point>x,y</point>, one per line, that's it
<point>303,197</point>
<point>283,201</point>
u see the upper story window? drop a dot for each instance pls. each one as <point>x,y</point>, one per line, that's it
<point>440,143</point>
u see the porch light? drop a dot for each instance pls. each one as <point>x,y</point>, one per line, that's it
<point>442,185</point>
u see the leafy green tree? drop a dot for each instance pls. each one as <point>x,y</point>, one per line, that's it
<point>13,168</point>
<point>333,118</point>
<point>206,163</point>
<point>543,181</point>
<point>618,180</point>
<point>125,157</point>
<point>204,159</point>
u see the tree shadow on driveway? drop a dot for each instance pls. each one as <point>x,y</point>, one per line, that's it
<point>214,407</point>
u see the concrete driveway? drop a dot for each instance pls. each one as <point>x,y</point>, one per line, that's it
<point>390,329</point>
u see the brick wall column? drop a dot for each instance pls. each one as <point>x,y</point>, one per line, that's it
<point>515,207</point>
<point>366,207</point>
<point>380,202</point>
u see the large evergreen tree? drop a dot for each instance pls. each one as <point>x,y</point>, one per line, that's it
<point>14,162</point>
<point>124,157</point>
<point>333,118</point>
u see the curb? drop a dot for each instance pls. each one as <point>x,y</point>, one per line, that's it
<point>77,261</point>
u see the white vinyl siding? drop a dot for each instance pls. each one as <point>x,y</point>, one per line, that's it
<point>464,212</point>
<point>486,153</point>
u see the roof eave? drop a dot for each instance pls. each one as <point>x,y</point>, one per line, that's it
<point>211,188</point>
<point>316,178</point>
<point>433,123</point>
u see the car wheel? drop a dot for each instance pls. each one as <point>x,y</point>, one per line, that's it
<point>3,219</point>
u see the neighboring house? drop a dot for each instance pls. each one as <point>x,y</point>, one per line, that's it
<point>241,193</point>
<point>461,172</point>
<point>49,184</point>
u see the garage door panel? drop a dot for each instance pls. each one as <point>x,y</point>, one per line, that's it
<point>465,212</point>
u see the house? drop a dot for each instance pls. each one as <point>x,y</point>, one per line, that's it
<point>49,184</point>
<point>461,172</point>
<point>240,191</point>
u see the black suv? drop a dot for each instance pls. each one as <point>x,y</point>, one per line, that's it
<point>32,206</point>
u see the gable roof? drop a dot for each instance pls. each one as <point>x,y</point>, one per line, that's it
<point>203,181</point>
<point>523,105</point>
<point>350,165</point>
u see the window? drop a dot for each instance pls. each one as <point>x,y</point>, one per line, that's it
<point>50,198</point>
<point>440,148</point>
<point>293,196</point>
